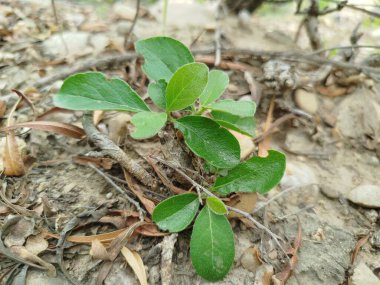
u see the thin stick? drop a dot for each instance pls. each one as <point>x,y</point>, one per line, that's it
<point>245,214</point>
<point>129,34</point>
<point>59,26</point>
<point>343,47</point>
<point>142,212</point>
<point>109,148</point>
<point>275,197</point>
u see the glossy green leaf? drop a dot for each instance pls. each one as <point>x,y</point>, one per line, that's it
<point>258,174</point>
<point>237,108</point>
<point>157,92</point>
<point>186,85</point>
<point>210,141</point>
<point>163,56</point>
<point>244,125</point>
<point>93,91</point>
<point>176,213</point>
<point>216,205</point>
<point>217,83</point>
<point>212,246</point>
<point>147,124</point>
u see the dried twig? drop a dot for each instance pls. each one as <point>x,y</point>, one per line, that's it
<point>141,211</point>
<point>109,148</point>
<point>130,32</point>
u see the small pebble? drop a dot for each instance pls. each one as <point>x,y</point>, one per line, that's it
<point>366,196</point>
<point>307,101</point>
<point>109,195</point>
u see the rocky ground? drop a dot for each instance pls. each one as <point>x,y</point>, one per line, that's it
<point>333,150</point>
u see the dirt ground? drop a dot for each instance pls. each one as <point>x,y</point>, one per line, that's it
<point>331,154</point>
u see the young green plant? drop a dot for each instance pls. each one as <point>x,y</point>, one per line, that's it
<point>178,84</point>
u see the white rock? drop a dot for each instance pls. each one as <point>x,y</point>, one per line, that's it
<point>307,101</point>
<point>77,44</point>
<point>364,276</point>
<point>366,196</point>
<point>297,174</point>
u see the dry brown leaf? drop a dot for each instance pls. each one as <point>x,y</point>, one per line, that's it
<point>283,276</point>
<point>358,246</point>
<point>135,262</point>
<point>12,158</point>
<point>117,221</point>
<point>98,116</point>
<point>18,232</point>
<point>133,186</point>
<point>25,254</point>
<point>36,244</point>
<point>332,90</point>
<point>264,145</point>
<point>98,250</point>
<point>246,144</point>
<point>54,127</point>
<point>104,162</point>
<point>242,201</point>
<point>3,108</point>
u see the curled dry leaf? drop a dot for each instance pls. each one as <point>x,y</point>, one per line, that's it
<point>135,188</point>
<point>135,262</point>
<point>36,244</point>
<point>3,108</point>
<point>246,144</point>
<point>26,255</point>
<point>98,250</point>
<point>18,232</point>
<point>54,127</point>
<point>12,157</point>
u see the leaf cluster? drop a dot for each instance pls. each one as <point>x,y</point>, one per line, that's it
<point>179,84</point>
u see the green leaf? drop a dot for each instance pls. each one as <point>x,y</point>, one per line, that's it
<point>258,174</point>
<point>237,108</point>
<point>93,91</point>
<point>210,141</point>
<point>157,92</point>
<point>186,85</point>
<point>212,247</point>
<point>147,124</point>
<point>216,205</point>
<point>216,85</point>
<point>163,56</point>
<point>245,125</point>
<point>176,213</point>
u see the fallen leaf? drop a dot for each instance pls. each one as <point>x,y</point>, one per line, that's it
<point>36,244</point>
<point>98,250</point>
<point>25,254</point>
<point>242,201</point>
<point>133,186</point>
<point>332,90</point>
<point>3,108</point>
<point>18,232</point>
<point>55,127</point>
<point>135,262</point>
<point>358,246</point>
<point>12,158</point>
<point>264,145</point>
<point>98,116</point>
<point>246,144</point>
<point>283,276</point>
<point>104,162</point>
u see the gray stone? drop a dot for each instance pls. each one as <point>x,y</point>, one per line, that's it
<point>77,44</point>
<point>364,276</point>
<point>366,196</point>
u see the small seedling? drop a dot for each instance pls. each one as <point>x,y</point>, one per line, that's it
<point>177,83</point>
